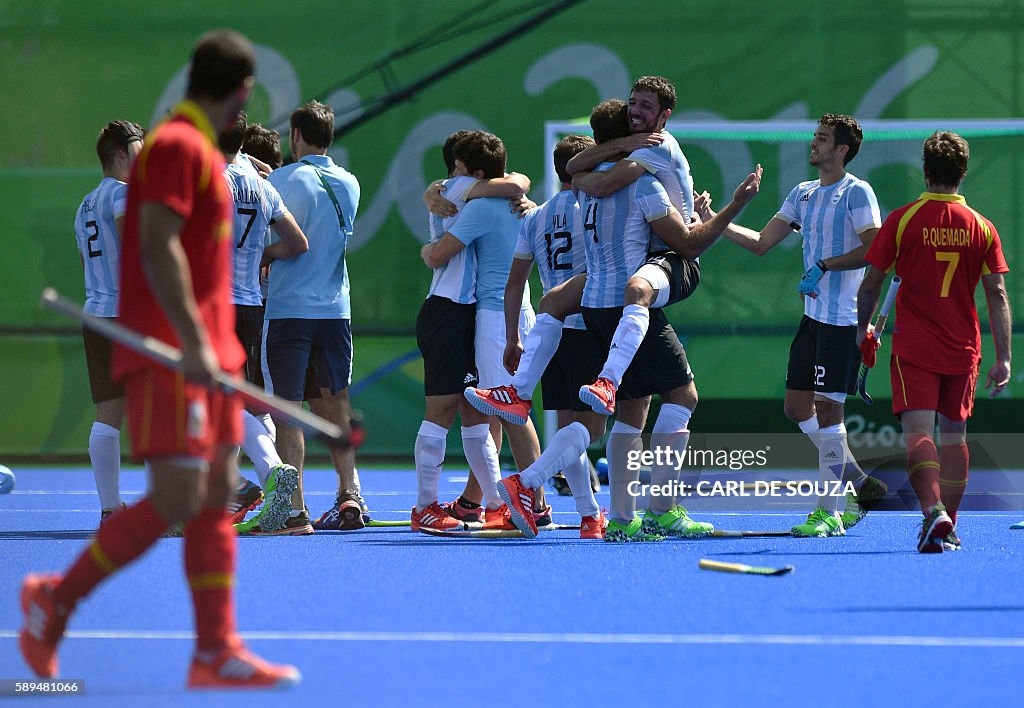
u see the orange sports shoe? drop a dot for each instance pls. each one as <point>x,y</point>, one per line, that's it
<point>498,519</point>
<point>519,500</point>
<point>600,396</point>
<point>593,526</point>
<point>44,624</point>
<point>235,667</point>
<point>502,401</point>
<point>435,517</point>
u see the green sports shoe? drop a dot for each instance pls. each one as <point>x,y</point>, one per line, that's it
<point>277,501</point>
<point>819,524</point>
<point>675,522</point>
<point>864,500</point>
<point>633,532</point>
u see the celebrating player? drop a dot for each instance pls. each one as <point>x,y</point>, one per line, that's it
<point>837,215</point>
<point>940,248</point>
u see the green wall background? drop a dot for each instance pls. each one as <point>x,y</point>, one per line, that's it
<point>71,66</point>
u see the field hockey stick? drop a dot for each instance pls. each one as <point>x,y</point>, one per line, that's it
<point>721,567</point>
<point>163,353</point>
<point>719,533</point>
<point>883,316</point>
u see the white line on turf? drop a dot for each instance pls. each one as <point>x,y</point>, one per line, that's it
<point>578,638</point>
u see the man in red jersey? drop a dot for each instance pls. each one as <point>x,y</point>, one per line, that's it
<point>175,286</point>
<point>940,248</point>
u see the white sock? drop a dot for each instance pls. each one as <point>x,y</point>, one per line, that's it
<point>105,455</point>
<point>629,333</point>
<point>483,461</point>
<point>810,428</point>
<point>832,458</point>
<point>565,448</point>
<point>538,349</point>
<point>429,455</point>
<point>577,475</point>
<point>268,423</point>
<point>671,436</point>
<point>259,446</point>
<point>621,441</point>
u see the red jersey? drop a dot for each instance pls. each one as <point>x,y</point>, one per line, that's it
<point>181,167</point>
<point>940,248</point>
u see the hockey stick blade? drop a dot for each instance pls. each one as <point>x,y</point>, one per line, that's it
<point>721,567</point>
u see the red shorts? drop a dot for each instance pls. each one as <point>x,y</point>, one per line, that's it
<point>170,417</point>
<point>917,389</point>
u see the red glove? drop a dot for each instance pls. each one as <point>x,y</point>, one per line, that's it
<point>868,348</point>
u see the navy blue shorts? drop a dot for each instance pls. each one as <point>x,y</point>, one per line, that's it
<point>292,344</point>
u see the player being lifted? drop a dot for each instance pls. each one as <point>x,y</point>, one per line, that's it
<point>98,225</point>
<point>618,241</point>
<point>837,216</point>
<point>936,351</point>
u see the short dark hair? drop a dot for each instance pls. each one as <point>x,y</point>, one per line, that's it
<point>847,132</point>
<point>221,62</point>
<point>448,150</point>
<point>609,120</point>
<point>945,159</point>
<point>566,149</point>
<point>482,151</point>
<point>231,139</point>
<point>665,89</point>
<point>315,122</point>
<point>264,144</point>
<point>115,137</point>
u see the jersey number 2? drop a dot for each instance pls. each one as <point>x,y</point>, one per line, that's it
<point>952,260</point>
<point>94,235</point>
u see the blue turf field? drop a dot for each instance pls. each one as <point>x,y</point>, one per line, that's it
<point>386,617</point>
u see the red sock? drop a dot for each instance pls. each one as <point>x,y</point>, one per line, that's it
<point>923,468</point>
<point>121,539</point>
<point>210,567</point>
<point>953,479</point>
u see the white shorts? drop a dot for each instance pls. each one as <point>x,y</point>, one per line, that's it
<point>490,345</point>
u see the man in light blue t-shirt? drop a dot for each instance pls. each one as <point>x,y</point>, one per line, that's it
<point>308,315</point>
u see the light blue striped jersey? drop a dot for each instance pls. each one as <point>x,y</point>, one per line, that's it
<point>456,279</point>
<point>315,284</point>
<point>100,245</point>
<point>830,219</point>
<point>490,226</point>
<point>552,236</point>
<point>618,237</point>
<point>256,206</point>
<point>667,162</point>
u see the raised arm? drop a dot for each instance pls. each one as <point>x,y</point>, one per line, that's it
<point>1000,320</point>
<point>594,155</point>
<point>602,184</point>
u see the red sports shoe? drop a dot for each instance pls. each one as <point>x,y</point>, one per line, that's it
<point>519,500</point>
<point>593,526</point>
<point>498,519</point>
<point>44,624</point>
<point>502,401</point>
<point>235,667</point>
<point>435,517</point>
<point>600,396</point>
